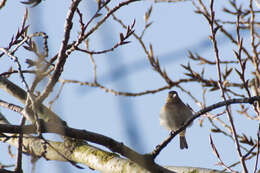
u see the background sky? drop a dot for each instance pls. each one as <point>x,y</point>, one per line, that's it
<point>176,29</point>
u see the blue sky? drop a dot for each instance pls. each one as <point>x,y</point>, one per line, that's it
<point>132,120</point>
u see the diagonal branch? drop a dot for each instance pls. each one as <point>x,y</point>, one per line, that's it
<point>62,56</point>
<point>213,30</point>
<point>110,143</point>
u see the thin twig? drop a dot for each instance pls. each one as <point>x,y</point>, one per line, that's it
<point>96,84</point>
<point>16,71</point>
<point>15,59</point>
<point>18,168</point>
<point>211,19</point>
<point>57,95</point>
<point>157,1</point>
<point>62,56</point>
<point>11,106</point>
<point>215,151</point>
<point>258,149</point>
<point>154,62</point>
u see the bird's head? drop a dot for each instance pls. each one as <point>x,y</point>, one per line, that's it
<point>173,94</point>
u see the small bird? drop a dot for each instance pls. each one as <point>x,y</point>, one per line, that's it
<point>174,115</point>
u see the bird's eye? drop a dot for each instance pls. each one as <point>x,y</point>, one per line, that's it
<point>173,94</point>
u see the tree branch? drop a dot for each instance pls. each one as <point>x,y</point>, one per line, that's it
<point>145,161</point>
<point>62,56</point>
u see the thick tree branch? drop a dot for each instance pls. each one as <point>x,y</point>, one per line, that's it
<point>110,143</point>
<point>59,127</point>
<point>144,160</point>
<point>17,92</point>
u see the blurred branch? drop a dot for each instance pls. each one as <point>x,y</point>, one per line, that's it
<point>2,3</point>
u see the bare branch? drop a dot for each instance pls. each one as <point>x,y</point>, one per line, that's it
<point>62,56</point>
<point>220,82</point>
<point>214,149</point>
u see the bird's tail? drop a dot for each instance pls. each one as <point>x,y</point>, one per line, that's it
<point>183,142</point>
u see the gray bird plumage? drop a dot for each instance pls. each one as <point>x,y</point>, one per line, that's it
<point>174,114</point>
